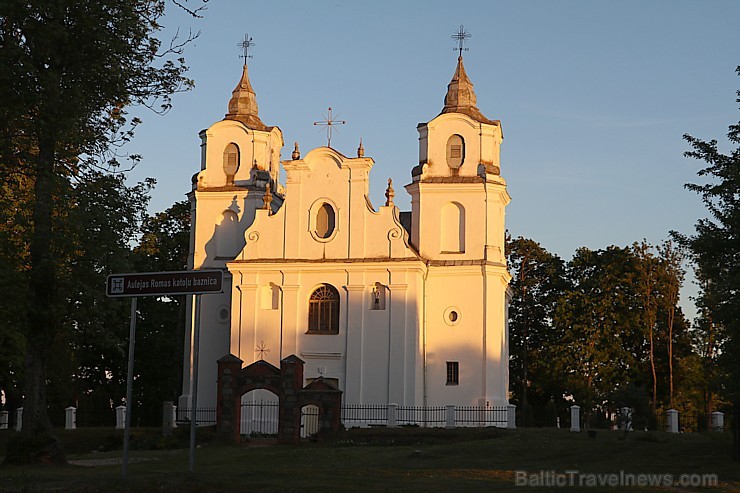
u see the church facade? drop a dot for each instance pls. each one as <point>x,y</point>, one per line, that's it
<point>393,307</point>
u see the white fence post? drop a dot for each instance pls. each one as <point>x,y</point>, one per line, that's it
<point>3,420</point>
<point>174,416</point>
<point>392,415</point>
<point>672,421</point>
<point>575,418</point>
<point>718,421</point>
<point>511,416</point>
<point>450,411</point>
<point>70,418</point>
<point>120,417</point>
<point>18,419</point>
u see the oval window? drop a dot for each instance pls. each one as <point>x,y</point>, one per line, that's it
<point>455,151</point>
<point>231,161</point>
<point>324,221</point>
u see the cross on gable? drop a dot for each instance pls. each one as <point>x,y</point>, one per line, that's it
<point>328,123</point>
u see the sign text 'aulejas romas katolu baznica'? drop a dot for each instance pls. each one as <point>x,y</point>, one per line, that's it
<point>165,283</point>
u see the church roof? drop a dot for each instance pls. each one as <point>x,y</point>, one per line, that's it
<point>243,104</point>
<point>460,97</point>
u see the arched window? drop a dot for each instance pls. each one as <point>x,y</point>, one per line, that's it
<point>455,151</point>
<point>323,310</point>
<point>325,219</point>
<point>452,228</point>
<point>231,162</point>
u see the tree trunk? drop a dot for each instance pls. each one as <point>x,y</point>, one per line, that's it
<point>709,375</point>
<point>671,317</point>
<point>652,367</point>
<point>41,322</point>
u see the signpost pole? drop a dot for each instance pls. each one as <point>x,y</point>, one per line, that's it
<point>194,396</point>
<point>129,384</point>
<point>190,282</point>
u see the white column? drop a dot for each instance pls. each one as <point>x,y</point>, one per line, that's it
<point>511,416</point>
<point>70,418</point>
<point>396,306</point>
<point>450,410</point>
<point>718,421</point>
<point>575,418</point>
<point>168,417</point>
<point>3,420</point>
<point>392,415</point>
<point>120,417</point>
<point>671,421</point>
<point>353,394</point>
<point>18,419</point>
<point>290,319</point>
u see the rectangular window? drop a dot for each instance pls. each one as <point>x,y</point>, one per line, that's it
<point>453,373</point>
<point>455,152</point>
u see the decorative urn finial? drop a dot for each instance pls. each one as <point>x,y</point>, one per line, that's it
<point>296,153</point>
<point>360,150</point>
<point>389,193</point>
<point>267,199</point>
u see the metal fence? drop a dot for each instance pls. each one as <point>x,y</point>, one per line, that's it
<point>434,416</point>
<point>259,418</point>
<point>422,416</point>
<point>360,415</point>
<point>204,416</point>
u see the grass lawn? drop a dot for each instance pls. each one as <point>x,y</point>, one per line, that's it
<point>377,460</point>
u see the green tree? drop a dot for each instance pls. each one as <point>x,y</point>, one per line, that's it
<point>647,277</point>
<point>538,282</point>
<point>68,71</point>
<point>15,220</point>
<point>101,218</point>
<point>673,273</point>
<point>603,342</point>
<point>715,250</point>
<point>164,246</point>
<point>105,219</point>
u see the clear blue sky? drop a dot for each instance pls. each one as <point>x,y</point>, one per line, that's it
<point>593,96</point>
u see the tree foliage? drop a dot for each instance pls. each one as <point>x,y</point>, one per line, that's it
<point>538,281</point>
<point>161,326</point>
<point>69,70</point>
<point>715,250</point>
<point>603,329</point>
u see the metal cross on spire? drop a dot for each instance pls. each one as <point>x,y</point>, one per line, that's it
<point>245,45</point>
<point>461,36</point>
<point>328,123</point>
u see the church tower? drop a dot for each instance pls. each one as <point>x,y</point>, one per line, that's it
<point>457,182</point>
<point>240,160</point>
<point>458,201</point>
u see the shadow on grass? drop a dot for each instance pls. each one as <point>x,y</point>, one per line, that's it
<point>411,459</point>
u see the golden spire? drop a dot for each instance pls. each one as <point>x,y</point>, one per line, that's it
<point>460,97</point>
<point>243,104</point>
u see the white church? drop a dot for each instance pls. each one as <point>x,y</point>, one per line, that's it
<point>395,307</point>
